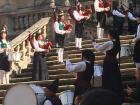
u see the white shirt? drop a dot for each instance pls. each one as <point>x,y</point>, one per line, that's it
<point>96,6</point>
<point>78,67</point>
<point>4,41</point>
<point>36,46</point>
<point>77,15</point>
<point>131,17</point>
<point>57,30</point>
<point>104,47</point>
<point>117,13</point>
<point>47,102</point>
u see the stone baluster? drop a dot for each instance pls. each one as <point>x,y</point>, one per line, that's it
<point>45,31</point>
<point>31,19</point>
<point>35,17</point>
<point>23,50</point>
<point>26,21</point>
<point>67,3</point>
<point>17,48</point>
<point>21,22</point>
<point>39,31</point>
<point>28,48</point>
<point>16,25</point>
<point>43,14</point>
<point>52,3</point>
<point>39,16</point>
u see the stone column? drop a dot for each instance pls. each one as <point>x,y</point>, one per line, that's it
<point>67,3</point>
<point>52,3</point>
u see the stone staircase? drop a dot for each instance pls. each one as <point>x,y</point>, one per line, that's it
<point>66,79</point>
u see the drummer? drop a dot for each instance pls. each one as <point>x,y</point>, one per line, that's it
<point>4,63</point>
<point>84,70</point>
<point>51,90</point>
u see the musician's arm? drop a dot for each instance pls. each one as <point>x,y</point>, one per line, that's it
<point>117,13</point>
<point>131,17</point>
<point>103,48</point>
<point>77,16</point>
<point>57,30</point>
<point>78,67</point>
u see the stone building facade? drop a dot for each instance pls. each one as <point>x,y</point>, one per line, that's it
<point>18,15</point>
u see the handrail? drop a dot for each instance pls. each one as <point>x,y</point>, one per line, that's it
<point>24,35</point>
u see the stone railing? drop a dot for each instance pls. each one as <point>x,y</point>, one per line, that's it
<point>22,45</point>
<point>22,21</point>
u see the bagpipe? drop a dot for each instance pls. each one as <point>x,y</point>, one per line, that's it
<point>104,4</point>
<point>67,26</point>
<point>88,11</point>
<point>47,44</point>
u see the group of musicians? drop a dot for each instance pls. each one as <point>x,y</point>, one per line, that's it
<point>84,69</point>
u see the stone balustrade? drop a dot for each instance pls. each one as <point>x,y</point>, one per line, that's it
<point>25,20</point>
<point>22,45</point>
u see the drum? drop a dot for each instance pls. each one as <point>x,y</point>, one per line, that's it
<point>14,56</point>
<point>22,94</point>
<point>98,69</point>
<point>66,97</point>
<point>126,51</point>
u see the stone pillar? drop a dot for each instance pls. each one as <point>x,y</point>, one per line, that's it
<point>52,3</point>
<point>8,21</point>
<point>67,3</point>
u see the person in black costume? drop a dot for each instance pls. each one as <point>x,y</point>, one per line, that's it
<point>118,18</point>
<point>111,77</point>
<point>51,90</point>
<point>39,71</point>
<point>136,57</point>
<point>84,70</point>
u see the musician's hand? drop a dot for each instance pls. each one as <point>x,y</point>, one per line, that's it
<point>46,50</point>
<point>67,32</point>
<point>70,29</point>
<point>86,17</point>
<point>107,8</point>
<point>129,90</point>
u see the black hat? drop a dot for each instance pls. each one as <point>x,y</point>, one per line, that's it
<point>54,86</point>
<point>61,13</point>
<point>88,54</point>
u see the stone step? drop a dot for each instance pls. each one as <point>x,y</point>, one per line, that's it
<point>60,89</point>
<point>44,83</point>
<point>85,44</point>
<point>62,66</point>
<point>2,93</point>
<point>127,37</point>
<point>28,73</point>
<point>127,73</point>
<point>51,77</point>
